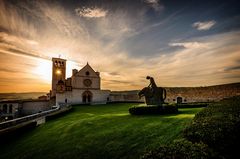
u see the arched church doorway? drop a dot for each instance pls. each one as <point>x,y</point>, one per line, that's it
<point>87,97</point>
<point>179,100</point>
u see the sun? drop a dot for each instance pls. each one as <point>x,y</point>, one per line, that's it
<point>44,70</point>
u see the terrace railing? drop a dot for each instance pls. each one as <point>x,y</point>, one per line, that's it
<point>14,122</point>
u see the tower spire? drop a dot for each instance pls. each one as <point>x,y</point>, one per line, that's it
<point>58,72</point>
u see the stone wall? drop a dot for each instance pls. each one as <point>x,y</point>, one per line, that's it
<point>187,94</point>
<point>203,94</point>
<point>125,96</point>
<point>34,106</point>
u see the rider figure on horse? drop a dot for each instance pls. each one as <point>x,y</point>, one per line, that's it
<point>152,84</point>
<point>153,95</point>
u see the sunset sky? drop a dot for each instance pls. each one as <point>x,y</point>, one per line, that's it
<point>179,43</point>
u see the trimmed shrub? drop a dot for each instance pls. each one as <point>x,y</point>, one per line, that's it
<point>140,110</point>
<point>180,149</point>
<point>218,126</point>
<point>192,105</point>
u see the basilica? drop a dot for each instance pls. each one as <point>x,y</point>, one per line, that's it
<point>83,87</point>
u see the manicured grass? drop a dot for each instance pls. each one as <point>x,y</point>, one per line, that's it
<point>99,131</point>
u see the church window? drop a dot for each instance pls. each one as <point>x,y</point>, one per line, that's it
<point>5,108</point>
<point>87,82</point>
<point>10,108</point>
<point>87,73</point>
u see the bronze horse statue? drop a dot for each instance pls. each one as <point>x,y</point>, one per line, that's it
<point>153,95</point>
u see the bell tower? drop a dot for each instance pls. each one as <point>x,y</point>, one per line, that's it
<point>58,73</point>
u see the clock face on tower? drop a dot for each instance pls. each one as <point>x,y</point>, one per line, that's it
<point>87,82</point>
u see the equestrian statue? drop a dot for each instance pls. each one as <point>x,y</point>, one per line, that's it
<point>153,95</point>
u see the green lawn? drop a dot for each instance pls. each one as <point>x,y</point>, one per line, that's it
<point>99,131</point>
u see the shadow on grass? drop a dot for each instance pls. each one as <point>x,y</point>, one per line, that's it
<point>154,115</point>
<point>11,136</point>
<point>181,111</point>
<point>188,110</point>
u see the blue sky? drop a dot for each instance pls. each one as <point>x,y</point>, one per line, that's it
<point>179,43</point>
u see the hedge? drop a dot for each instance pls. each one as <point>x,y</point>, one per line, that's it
<point>181,149</point>
<point>218,126</point>
<point>141,110</point>
<point>213,133</point>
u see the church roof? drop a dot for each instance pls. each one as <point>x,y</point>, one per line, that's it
<point>87,70</point>
<point>87,66</point>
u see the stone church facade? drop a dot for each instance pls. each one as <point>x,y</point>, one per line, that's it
<point>83,87</point>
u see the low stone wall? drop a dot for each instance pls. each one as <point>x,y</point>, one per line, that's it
<point>14,125</point>
<point>185,94</point>
<point>202,94</point>
<point>125,96</point>
<point>34,106</point>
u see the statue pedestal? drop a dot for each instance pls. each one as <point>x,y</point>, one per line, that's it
<point>152,109</point>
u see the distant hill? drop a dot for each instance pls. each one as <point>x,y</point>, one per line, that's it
<point>20,96</point>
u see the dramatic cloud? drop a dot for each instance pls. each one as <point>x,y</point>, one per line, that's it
<point>91,12</point>
<point>155,4</point>
<point>234,68</point>
<point>125,41</point>
<point>190,45</point>
<point>204,25</point>
<point>205,61</point>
